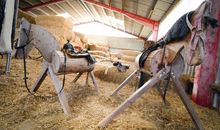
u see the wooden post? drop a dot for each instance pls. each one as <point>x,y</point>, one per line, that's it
<point>206,73</point>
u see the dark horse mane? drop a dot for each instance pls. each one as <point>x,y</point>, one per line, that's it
<point>2,13</point>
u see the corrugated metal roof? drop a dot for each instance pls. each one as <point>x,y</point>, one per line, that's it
<point>84,11</point>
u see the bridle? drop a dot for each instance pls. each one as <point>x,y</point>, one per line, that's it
<point>197,36</point>
<point>23,51</point>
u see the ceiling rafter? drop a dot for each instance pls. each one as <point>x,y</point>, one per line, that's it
<point>146,21</point>
<point>65,12</point>
<point>121,30</point>
<point>123,16</point>
<point>31,4</point>
<point>86,11</point>
<point>50,8</point>
<point>43,4</point>
<point>136,10</point>
<point>73,8</point>
<point>149,15</point>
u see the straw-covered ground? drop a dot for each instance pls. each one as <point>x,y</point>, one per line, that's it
<point>22,111</point>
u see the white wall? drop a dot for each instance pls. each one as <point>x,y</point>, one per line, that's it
<point>118,43</point>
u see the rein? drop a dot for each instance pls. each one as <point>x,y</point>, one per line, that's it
<point>24,59</point>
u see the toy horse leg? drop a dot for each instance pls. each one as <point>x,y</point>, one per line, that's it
<point>40,79</point>
<point>61,94</point>
<point>8,63</point>
<point>186,102</point>
<point>87,79</point>
<point>94,81</point>
<point>124,82</point>
<point>150,83</point>
<point>77,77</point>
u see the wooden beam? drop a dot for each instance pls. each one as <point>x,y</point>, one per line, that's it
<point>140,19</point>
<point>43,4</point>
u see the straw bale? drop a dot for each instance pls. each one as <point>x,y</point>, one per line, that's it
<point>101,57</point>
<point>107,72</point>
<point>130,52</point>
<point>78,42</point>
<point>84,39</point>
<point>61,34</point>
<point>56,21</point>
<point>73,37</point>
<point>28,17</point>
<point>128,58</point>
<point>115,55</point>
<point>98,47</point>
<point>101,53</point>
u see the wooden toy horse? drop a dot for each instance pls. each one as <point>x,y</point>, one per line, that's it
<point>168,63</point>
<point>55,62</point>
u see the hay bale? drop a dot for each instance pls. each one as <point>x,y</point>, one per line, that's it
<point>98,47</point>
<point>107,72</point>
<point>55,21</point>
<point>128,58</point>
<point>130,52</point>
<point>78,42</point>
<point>60,27</point>
<point>115,55</point>
<point>100,53</point>
<point>28,17</point>
<point>61,34</point>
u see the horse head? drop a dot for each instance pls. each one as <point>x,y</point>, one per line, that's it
<point>195,41</point>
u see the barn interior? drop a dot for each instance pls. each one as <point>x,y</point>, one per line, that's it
<point>76,94</point>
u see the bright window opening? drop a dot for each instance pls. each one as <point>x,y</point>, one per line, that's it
<point>65,15</point>
<point>95,28</point>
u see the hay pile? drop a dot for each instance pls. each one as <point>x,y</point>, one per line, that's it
<point>21,111</point>
<point>60,27</point>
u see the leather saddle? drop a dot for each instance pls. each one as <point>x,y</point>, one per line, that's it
<point>77,52</point>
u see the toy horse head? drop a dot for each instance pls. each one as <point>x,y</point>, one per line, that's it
<point>195,42</point>
<point>38,37</point>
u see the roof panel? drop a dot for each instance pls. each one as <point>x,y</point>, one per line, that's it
<point>84,11</point>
